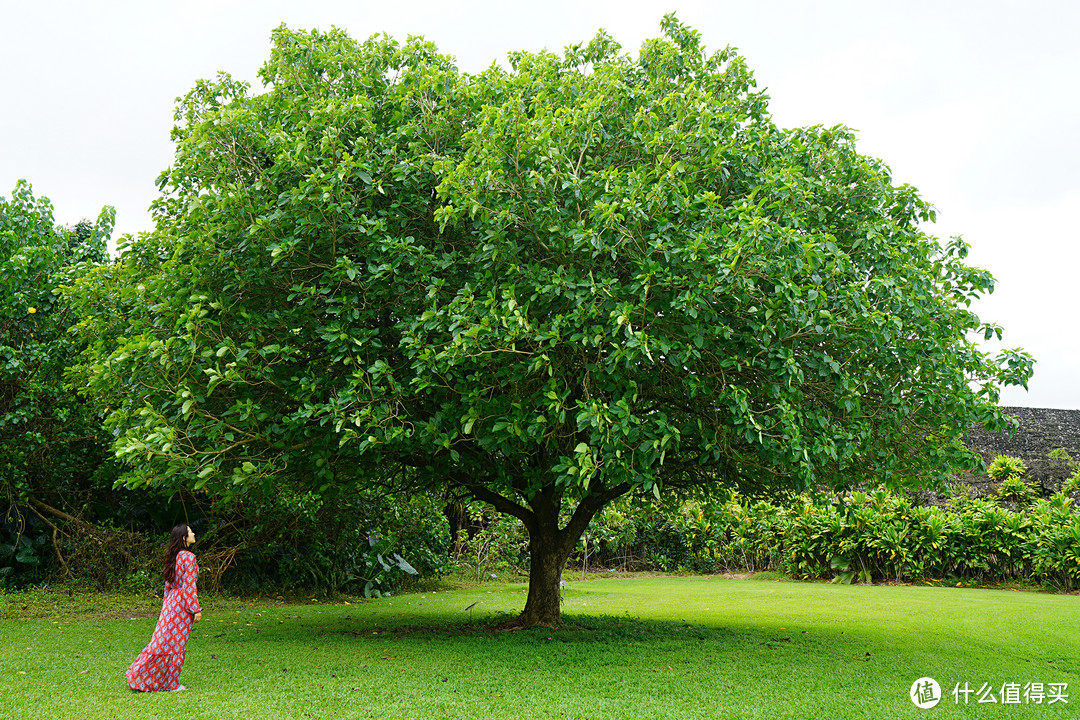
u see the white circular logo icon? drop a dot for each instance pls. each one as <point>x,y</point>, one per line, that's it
<point>925,693</point>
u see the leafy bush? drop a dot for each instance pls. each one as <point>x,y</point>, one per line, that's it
<point>1072,485</point>
<point>1015,489</point>
<point>1006,466</point>
<point>497,544</point>
<point>861,536</point>
<point>367,542</point>
<point>23,548</point>
<point>1053,547</point>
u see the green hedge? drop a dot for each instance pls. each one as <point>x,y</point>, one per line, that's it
<point>872,535</point>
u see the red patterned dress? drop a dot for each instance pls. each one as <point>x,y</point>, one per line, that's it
<point>158,665</point>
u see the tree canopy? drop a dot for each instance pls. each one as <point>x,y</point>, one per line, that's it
<point>45,428</point>
<point>545,285</point>
<point>51,439</point>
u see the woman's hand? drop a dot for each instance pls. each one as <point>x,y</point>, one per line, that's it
<point>198,616</point>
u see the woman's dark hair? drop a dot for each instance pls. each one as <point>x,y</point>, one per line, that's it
<point>177,542</point>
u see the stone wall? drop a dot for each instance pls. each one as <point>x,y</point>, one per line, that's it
<point>1041,430</point>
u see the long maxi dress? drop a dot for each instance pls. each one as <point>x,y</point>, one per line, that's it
<point>158,665</point>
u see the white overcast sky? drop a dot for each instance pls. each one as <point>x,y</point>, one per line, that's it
<point>977,104</point>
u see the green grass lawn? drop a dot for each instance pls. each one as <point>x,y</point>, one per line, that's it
<point>660,647</point>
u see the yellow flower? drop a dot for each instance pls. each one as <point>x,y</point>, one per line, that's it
<point>32,310</point>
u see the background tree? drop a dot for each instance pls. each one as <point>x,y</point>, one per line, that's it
<point>548,286</point>
<point>52,443</point>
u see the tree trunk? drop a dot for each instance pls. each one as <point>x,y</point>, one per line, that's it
<point>548,552</point>
<point>458,518</point>
<point>549,545</point>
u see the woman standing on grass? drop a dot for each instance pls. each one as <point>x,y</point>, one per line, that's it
<point>158,665</point>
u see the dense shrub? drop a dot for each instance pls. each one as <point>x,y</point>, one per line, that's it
<point>868,535</point>
<point>102,538</point>
<point>364,543</point>
<point>1006,466</point>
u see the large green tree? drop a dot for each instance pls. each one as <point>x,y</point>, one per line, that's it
<point>51,440</point>
<point>547,286</point>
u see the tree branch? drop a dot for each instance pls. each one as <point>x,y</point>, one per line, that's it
<point>55,536</point>
<point>500,503</point>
